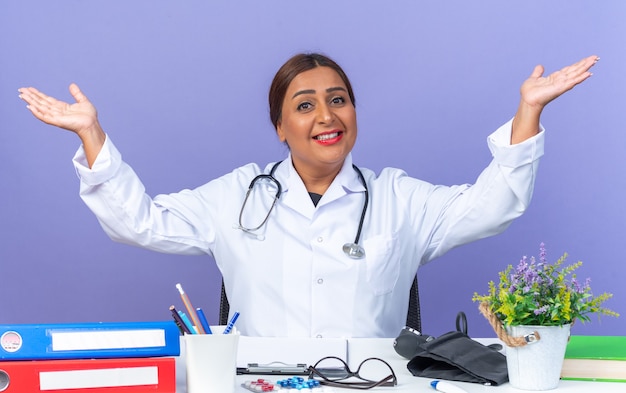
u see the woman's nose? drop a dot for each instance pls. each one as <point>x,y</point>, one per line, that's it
<point>325,114</point>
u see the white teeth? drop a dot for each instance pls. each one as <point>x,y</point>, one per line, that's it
<point>327,136</point>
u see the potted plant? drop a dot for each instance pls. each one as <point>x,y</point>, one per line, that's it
<point>536,303</point>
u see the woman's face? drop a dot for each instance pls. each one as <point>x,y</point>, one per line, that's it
<point>318,120</point>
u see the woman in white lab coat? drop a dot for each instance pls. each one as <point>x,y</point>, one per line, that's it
<point>320,247</point>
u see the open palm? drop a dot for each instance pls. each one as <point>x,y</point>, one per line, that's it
<point>73,117</point>
<point>538,90</point>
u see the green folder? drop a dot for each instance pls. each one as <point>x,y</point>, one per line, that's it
<point>597,358</point>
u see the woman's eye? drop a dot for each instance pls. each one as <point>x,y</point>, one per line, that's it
<point>304,106</point>
<point>338,100</point>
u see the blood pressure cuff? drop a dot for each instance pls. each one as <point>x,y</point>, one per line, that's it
<point>455,356</point>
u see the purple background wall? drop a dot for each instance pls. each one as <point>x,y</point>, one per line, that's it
<point>181,88</point>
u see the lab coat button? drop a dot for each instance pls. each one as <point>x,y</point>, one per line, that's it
<point>320,280</point>
<point>320,239</point>
<point>319,336</point>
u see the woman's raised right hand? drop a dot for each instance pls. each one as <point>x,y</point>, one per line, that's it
<point>76,117</point>
<point>80,117</point>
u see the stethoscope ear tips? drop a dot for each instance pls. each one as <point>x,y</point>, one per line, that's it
<point>353,250</point>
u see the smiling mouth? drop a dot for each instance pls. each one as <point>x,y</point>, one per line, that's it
<point>328,136</point>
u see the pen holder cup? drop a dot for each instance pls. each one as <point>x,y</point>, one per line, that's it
<point>211,361</point>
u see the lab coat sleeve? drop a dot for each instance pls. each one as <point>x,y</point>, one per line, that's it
<point>116,195</point>
<point>501,193</point>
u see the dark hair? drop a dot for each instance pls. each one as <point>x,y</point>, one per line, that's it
<point>293,67</point>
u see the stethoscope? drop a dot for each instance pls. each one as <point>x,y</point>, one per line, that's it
<point>353,250</point>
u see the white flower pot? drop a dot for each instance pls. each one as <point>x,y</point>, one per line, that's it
<point>537,366</point>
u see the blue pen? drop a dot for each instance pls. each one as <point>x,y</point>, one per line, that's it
<point>446,387</point>
<point>203,321</point>
<point>231,323</point>
<point>185,319</point>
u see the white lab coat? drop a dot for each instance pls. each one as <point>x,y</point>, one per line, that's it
<point>292,278</point>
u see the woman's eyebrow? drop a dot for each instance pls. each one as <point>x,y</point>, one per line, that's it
<point>338,88</point>
<point>298,93</point>
<point>312,91</point>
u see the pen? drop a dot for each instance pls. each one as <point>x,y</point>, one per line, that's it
<point>185,319</point>
<point>446,387</point>
<point>179,321</point>
<point>203,321</point>
<point>190,309</point>
<point>231,323</point>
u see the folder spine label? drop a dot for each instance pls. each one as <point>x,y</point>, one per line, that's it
<point>103,339</point>
<point>99,378</point>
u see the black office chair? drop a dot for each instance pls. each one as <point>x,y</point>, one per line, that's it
<point>413,317</point>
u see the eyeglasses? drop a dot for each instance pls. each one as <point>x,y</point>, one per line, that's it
<point>372,372</point>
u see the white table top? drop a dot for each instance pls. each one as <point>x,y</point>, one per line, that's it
<point>363,348</point>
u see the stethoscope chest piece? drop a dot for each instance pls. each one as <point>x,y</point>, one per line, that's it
<point>353,250</point>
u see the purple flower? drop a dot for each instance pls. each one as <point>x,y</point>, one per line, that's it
<point>541,310</point>
<point>542,253</point>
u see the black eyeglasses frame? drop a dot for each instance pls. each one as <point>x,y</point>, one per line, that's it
<point>363,384</point>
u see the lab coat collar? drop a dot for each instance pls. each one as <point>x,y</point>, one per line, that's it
<point>297,197</point>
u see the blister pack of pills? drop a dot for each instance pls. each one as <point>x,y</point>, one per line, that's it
<point>293,384</point>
